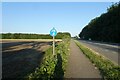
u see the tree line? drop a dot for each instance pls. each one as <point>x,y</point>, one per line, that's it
<point>60,35</point>
<point>105,27</point>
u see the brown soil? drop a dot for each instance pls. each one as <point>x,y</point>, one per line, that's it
<point>22,57</point>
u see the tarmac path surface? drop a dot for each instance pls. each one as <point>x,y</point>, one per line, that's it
<point>79,66</point>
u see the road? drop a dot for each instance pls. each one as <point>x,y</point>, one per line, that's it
<point>110,51</point>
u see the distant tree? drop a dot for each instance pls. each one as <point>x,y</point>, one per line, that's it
<point>104,28</point>
<point>34,36</point>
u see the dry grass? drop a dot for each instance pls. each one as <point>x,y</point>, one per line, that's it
<point>17,40</point>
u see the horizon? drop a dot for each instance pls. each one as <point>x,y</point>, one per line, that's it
<point>40,18</point>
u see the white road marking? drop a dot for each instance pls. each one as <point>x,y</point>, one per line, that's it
<point>115,46</point>
<point>106,50</point>
<point>107,45</point>
<point>114,52</point>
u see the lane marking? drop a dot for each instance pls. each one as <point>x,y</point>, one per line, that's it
<point>106,50</point>
<point>97,53</point>
<point>115,52</point>
<point>115,46</point>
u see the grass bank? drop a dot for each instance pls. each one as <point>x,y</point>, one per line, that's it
<point>109,71</point>
<point>53,66</point>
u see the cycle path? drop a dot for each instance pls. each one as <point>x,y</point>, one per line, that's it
<point>79,66</point>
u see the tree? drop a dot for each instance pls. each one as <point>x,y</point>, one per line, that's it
<point>105,27</point>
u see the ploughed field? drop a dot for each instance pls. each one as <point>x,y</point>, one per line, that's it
<point>21,57</point>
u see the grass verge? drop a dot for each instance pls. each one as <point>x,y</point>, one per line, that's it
<point>109,71</point>
<point>53,66</point>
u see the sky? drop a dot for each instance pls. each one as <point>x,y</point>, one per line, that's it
<point>41,17</point>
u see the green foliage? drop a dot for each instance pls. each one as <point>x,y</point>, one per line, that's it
<point>63,35</point>
<point>53,66</point>
<point>0,36</point>
<point>104,28</point>
<point>33,36</point>
<point>108,70</point>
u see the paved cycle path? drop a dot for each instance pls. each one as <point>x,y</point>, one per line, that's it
<point>79,66</point>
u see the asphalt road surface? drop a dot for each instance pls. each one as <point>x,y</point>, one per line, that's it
<point>110,51</point>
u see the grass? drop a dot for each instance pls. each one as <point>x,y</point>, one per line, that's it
<point>53,66</point>
<point>109,70</point>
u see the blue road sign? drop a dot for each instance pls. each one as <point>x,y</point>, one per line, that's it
<point>53,32</point>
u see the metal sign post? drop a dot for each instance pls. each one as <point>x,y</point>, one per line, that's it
<point>53,33</point>
<point>53,45</point>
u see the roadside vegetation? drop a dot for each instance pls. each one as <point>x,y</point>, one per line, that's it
<point>53,66</point>
<point>109,71</point>
<point>60,35</point>
<point>104,28</point>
